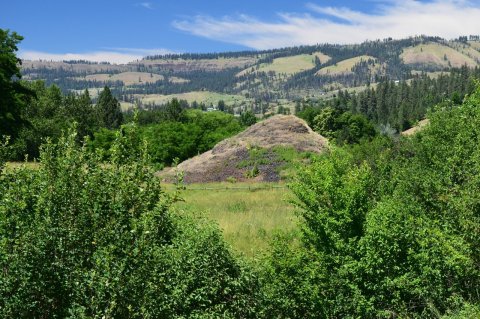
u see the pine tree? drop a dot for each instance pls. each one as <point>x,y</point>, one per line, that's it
<point>81,110</point>
<point>221,105</point>
<point>108,110</point>
<point>174,111</point>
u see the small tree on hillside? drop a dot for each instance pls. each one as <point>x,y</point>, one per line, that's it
<point>248,118</point>
<point>221,105</point>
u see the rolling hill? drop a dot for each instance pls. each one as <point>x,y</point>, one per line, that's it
<point>289,65</point>
<point>262,80</point>
<point>440,56</point>
<point>257,154</point>
<point>347,66</point>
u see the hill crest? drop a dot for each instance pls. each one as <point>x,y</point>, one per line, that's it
<point>234,157</point>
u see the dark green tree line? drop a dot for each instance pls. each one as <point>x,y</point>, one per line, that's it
<point>400,104</point>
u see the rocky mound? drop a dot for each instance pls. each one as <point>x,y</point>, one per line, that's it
<point>231,158</point>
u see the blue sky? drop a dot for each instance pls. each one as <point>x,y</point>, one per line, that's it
<point>123,30</point>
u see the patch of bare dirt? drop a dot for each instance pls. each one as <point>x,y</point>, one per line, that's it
<point>222,162</point>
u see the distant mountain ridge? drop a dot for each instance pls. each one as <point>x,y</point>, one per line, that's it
<point>272,76</point>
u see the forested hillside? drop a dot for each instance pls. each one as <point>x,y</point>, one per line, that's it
<point>396,106</point>
<point>273,76</point>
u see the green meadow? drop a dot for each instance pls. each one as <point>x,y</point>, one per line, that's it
<point>249,214</point>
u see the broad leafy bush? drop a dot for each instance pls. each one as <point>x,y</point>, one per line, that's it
<point>80,238</point>
<point>294,282</point>
<point>343,127</point>
<point>394,234</point>
<point>198,132</point>
<point>171,140</point>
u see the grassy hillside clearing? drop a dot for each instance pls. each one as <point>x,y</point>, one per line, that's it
<point>248,214</point>
<point>76,67</point>
<point>206,97</point>
<point>126,106</point>
<point>163,64</point>
<point>289,65</point>
<point>345,66</point>
<point>435,54</point>
<point>468,51</point>
<point>474,44</point>
<point>128,78</point>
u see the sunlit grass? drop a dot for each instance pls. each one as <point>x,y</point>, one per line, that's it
<point>249,218</point>
<point>436,54</point>
<point>345,66</point>
<point>14,165</point>
<point>249,214</point>
<point>290,65</point>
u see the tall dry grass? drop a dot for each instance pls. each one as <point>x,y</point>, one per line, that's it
<point>249,218</point>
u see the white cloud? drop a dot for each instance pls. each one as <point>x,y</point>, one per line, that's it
<point>391,18</point>
<point>146,5</point>
<point>112,55</point>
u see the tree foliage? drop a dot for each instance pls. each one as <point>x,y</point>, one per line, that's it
<point>393,234</point>
<point>343,127</point>
<point>13,95</point>
<point>248,118</point>
<point>108,109</point>
<point>197,133</point>
<point>85,239</point>
<point>48,115</point>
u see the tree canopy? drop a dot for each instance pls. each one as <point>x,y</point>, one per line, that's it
<point>108,109</point>
<point>390,228</point>
<point>13,95</point>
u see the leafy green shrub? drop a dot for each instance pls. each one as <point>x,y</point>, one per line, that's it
<point>309,114</point>
<point>343,127</point>
<point>292,282</point>
<point>102,142</point>
<point>252,172</point>
<point>4,151</point>
<point>81,238</point>
<point>389,230</point>
<point>248,118</point>
<point>468,311</point>
<point>198,132</point>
